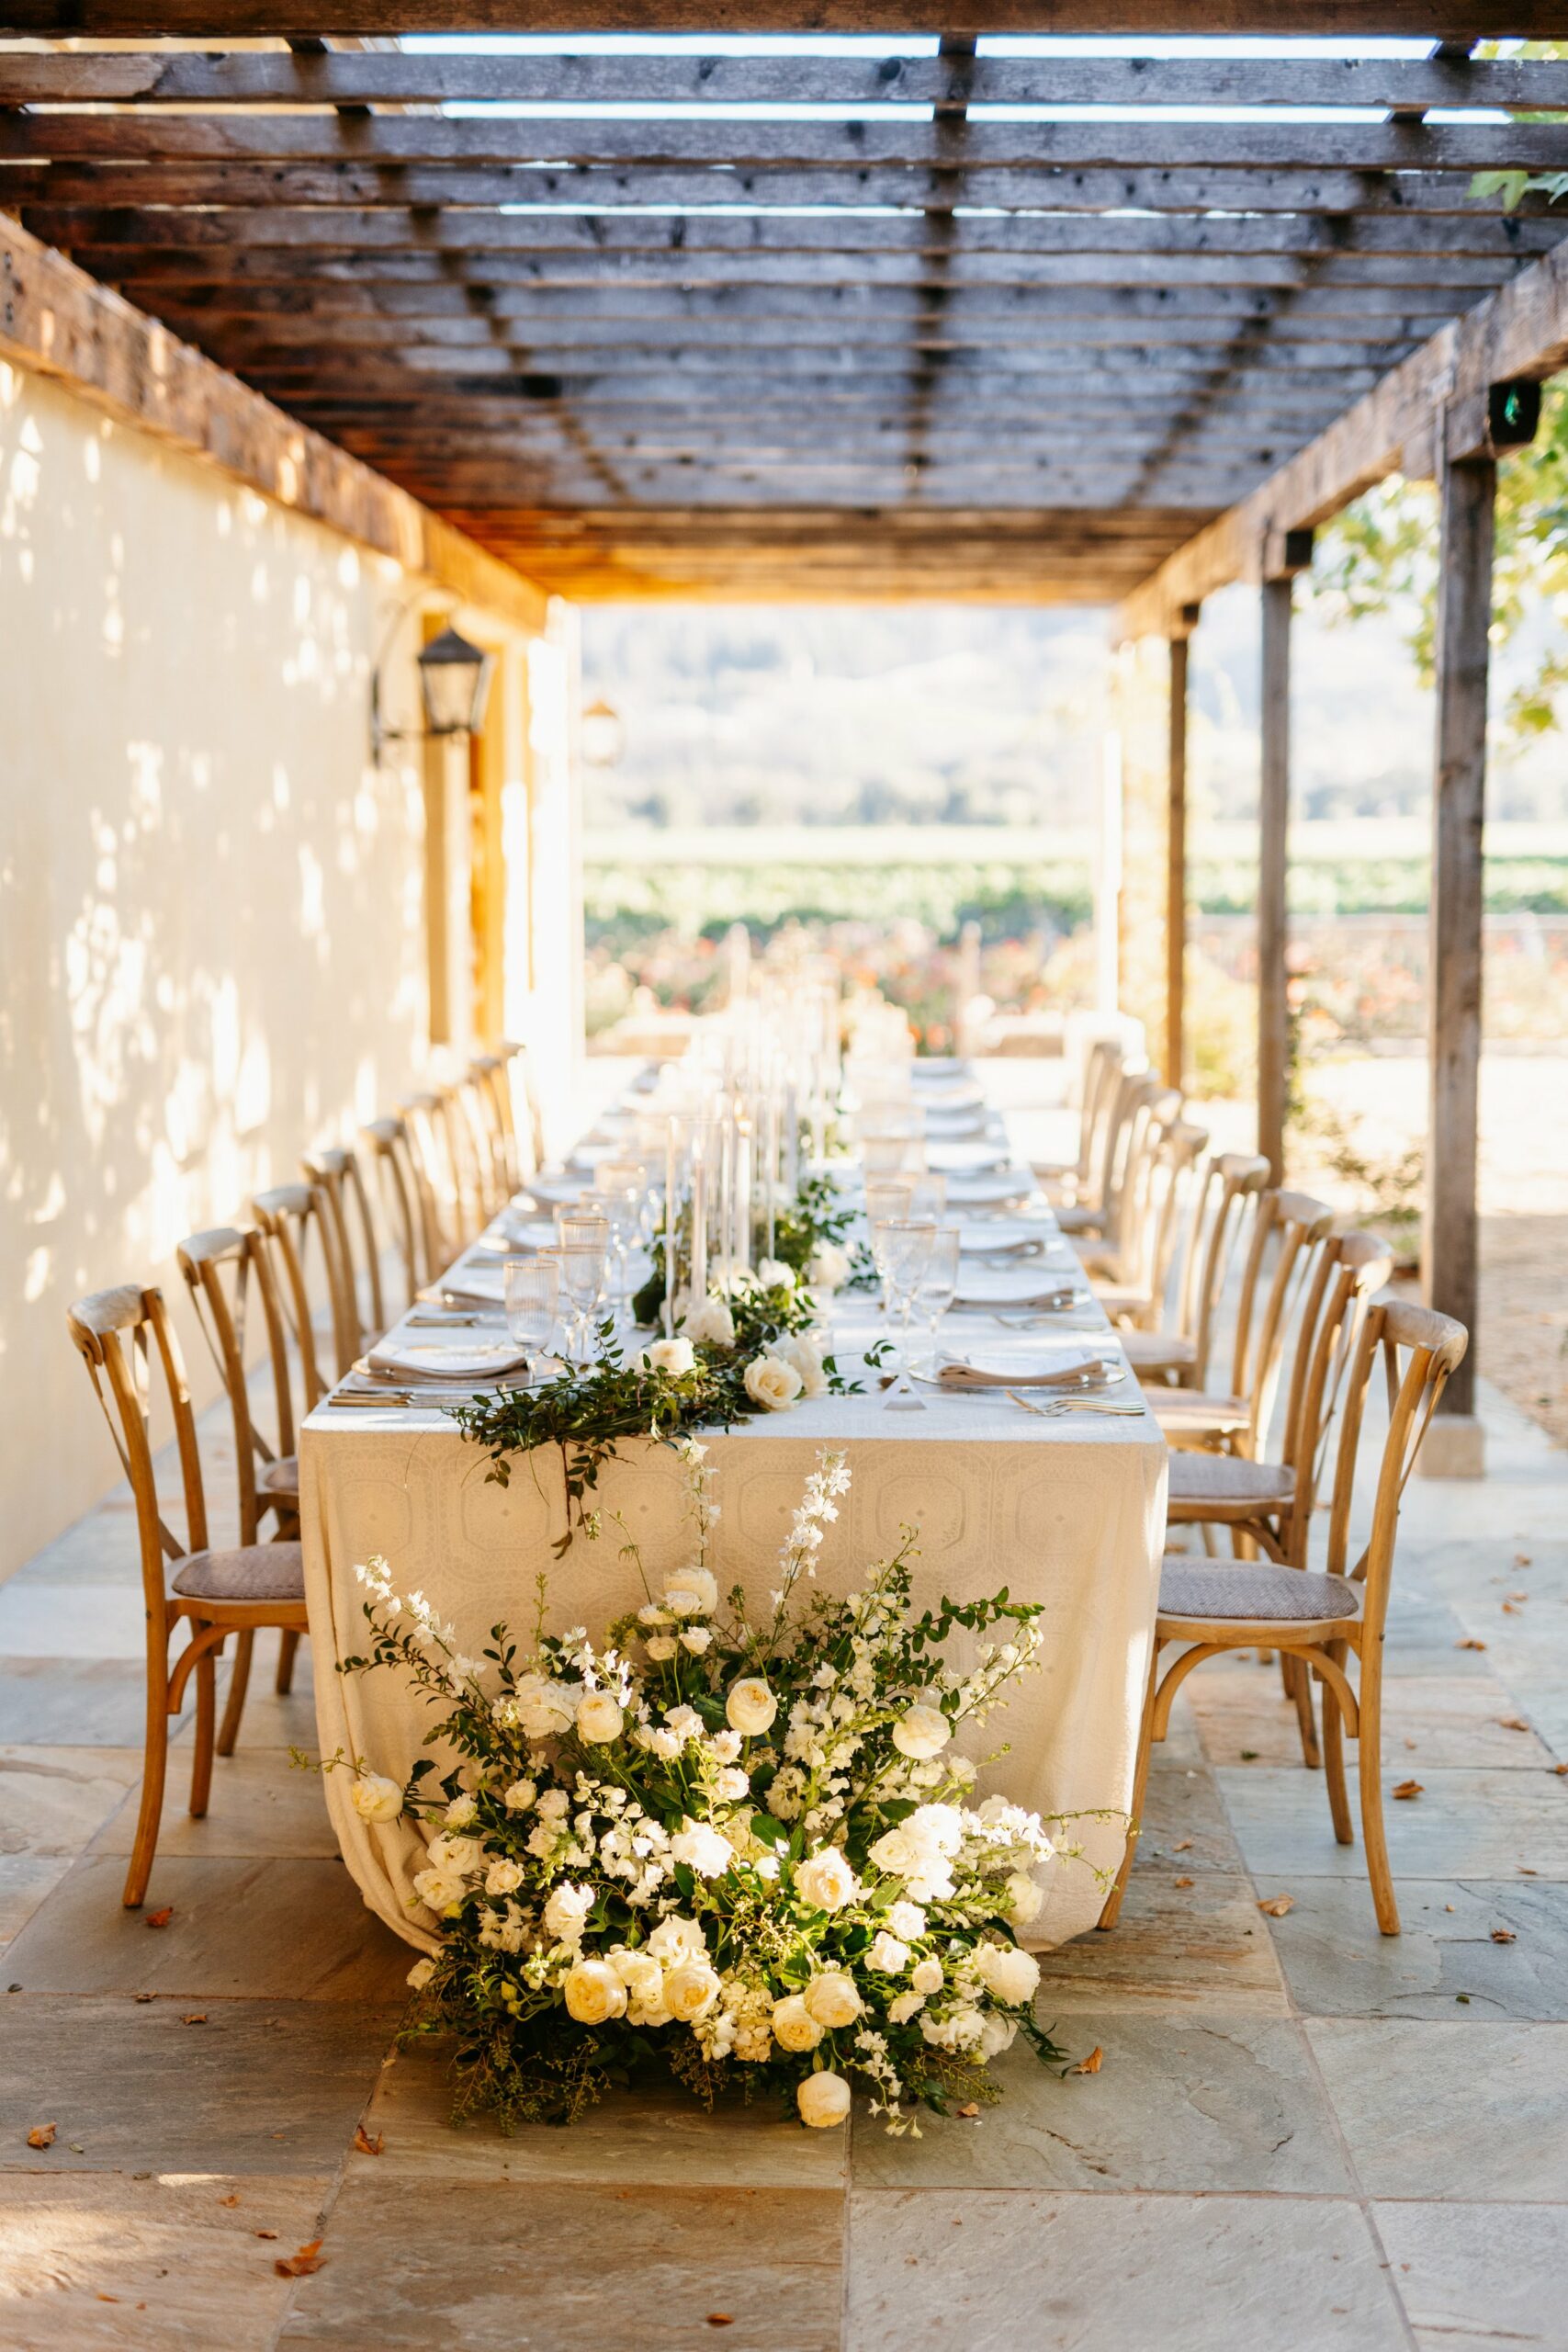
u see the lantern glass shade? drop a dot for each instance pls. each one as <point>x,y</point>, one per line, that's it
<point>603,735</point>
<point>454,679</point>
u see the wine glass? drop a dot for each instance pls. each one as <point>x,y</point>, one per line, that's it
<point>533,1297</point>
<point>618,1188</point>
<point>938,1285</point>
<point>905,1252</point>
<point>582,1279</point>
<point>927,1196</point>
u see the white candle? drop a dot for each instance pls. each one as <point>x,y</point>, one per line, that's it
<point>699,1217</point>
<point>742,1245</point>
<point>791,1144</point>
<point>670,1229</point>
<point>770,1159</point>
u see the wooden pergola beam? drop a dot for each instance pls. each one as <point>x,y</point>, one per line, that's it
<point>212,20</point>
<point>244,78</point>
<point>55,321</point>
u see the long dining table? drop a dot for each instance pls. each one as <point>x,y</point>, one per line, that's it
<point>1066,1510</point>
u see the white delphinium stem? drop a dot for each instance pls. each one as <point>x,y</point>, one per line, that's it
<point>818,1509</point>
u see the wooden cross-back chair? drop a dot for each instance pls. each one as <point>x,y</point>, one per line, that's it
<point>517,1069</point>
<point>1294,1228</point>
<point>1319,1619</point>
<point>469,1156</point>
<point>411,1212</point>
<point>428,1128</point>
<point>359,1316</point>
<point>1155,1218</point>
<point>492,1083</point>
<point>1112,1249</point>
<point>291,1221</point>
<point>1224,1194</point>
<point>1102,1071</point>
<point>1130,1089</point>
<point>120,1334</point>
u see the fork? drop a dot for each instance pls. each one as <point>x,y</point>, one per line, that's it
<point>1074,1405</point>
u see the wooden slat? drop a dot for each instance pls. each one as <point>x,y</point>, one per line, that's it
<point>1126,143</point>
<point>1520,331</point>
<point>436,78</point>
<point>57,322</point>
<point>1274,810</point>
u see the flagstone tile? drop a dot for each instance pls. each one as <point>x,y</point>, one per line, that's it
<point>239,1930</point>
<point>1474,2277</point>
<point>1470,2111</point>
<point>1183,1808</point>
<point>74,1703</point>
<point>103,1548</point>
<point>107,2262</point>
<point>95,1621</point>
<point>1180,2103</point>
<point>52,1799</point>
<point>1431,1721</point>
<point>261,1804</point>
<point>1201,1946</point>
<point>1425,1634</point>
<point>270,1720</point>
<point>25,1880</point>
<point>1464,1824</point>
<point>930,2270</point>
<point>412,2263</point>
<point>1337,1965</point>
<point>658,2133</point>
<point>261,2087</point>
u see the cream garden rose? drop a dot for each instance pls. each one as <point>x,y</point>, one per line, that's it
<point>826,1880</point>
<point>922,1732</point>
<point>827,1267</point>
<point>1025,1899</point>
<point>701,1848</point>
<point>420,1974</point>
<point>674,1357</point>
<point>593,1992</point>
<point>711,1322</point>
<point>801,1352</point>
<point>774,1274</point>
<point>832,2000</point>
<point>375,1798</point>
<point>823,2100</point>
<point>1007,1974</point>
<point>693,1593</point>
<point>772,1383</point>
<point>751,1706</point>
<point>794,2027</point>
<point>691,1988</point>
<point>600,1719</point>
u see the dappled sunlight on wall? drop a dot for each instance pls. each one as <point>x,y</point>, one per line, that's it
<point>210,900</point>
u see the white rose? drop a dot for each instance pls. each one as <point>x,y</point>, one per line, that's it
<point>462,1812</point>
<point>701,1848</point>
<point>650,1613</point>
<point>826,1880</point>
<point>693,1593</point>
<point>889,1956</point>
<point>921,1732</point>
<point>566,1912</point>
<point>1025,1899</point>
<point>823,2100</point>
<point>440,1890</point>
<point>676,1357</point>
<point>675,1939</point>
<point>774,1274</point>
<point>520,1795</point>
<point>504,1877</point>
<point>554,1803</point>
<point>794,2027</point>
<point>827,1267</point>
<point>773,1384</point>
<point>751,1706</point>
<point>711,1322</point>
<point>896,1853</point>
<point>593,1992</point>
<point>926,1977</point>
<point>733,1784</point>
<point>599,1719</point>
<point>725,1746</point>
<point>375,1798</point>
<point>696,1638</point>
<point>1007,1974</point>
<point>832,1999</point>
<point>421,1974</point>
<point>997,2034</point>
<point>908,1920</point>
<point>463,1855</point>
<point>907,2005</point>
<point>662,1646</point>
<point>641,1974</point>
<point>545,1709</point>
<point>801,1352</point>
<point>938,1825</point>
<point>691,1988</point>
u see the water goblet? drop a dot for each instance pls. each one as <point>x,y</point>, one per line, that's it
<point>905,1252</point>
<point>582,1279</point>
<point>938,1285</point>
<point>533,1296</point>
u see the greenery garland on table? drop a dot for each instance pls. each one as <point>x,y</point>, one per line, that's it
<point>755,1350</point>
<point>726,1847</point>
<point>809,1235</point>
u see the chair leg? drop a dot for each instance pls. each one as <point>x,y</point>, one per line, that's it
<point>1298,1688</point>
<point>287,1645</point>
<point>154,1765</point>
<point>1334,1756</point>
<point>1369,1758</point>
<point>206,1679</point>
<point>1113,1909</point>
<point>1206,1535</point>
<point>244,1643</point>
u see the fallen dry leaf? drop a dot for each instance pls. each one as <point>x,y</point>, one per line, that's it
<point>1525,1870</point>
<point>1502,1936</point>
<point>970,2111</point>
<point>1518,1595</point>
<point>366,2145</point>
<point>1521,1559</point>
<point>144,1996</point>
<point>195,2016</point>
<point>1509,1609</point>
<point>1469,1642</point>
<point>41,2135</point>
<point>230,2201</point>
<point>159,1918</point>
<point>267,2233</point>
<point>1513,1723</point>
<point>1560,1769</point>
<point>102,2298</point>
<point>302,2264</point>
<point>1183,1882</point>
<point>1276,1906</point>
<point>1091,2064</point>
<point>1182,1846</point>
<point>1410,1789</point>
<point>721,2319</point>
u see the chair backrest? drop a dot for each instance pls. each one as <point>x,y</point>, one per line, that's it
<point>1156,1109</point>
<point>1101,1074</point>
<point>1223,1194</point>
<point>1420,1349</point>
<point>492,1100</point>
<point>358,1307</point>
<point>1351,1269</point>
<point>517,1069</point>
<point>469,1156</point>
<point>287,1218</point>
<point>1299,1229</point>
<point>409,1212</point>
<point>1172,1178</point>
<point>117,1332</point>
<point>220,1267</point>
<point>1120,1100</point>
<point>428,1132</point>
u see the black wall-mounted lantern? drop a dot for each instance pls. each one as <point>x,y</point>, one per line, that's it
<point>454,686</point>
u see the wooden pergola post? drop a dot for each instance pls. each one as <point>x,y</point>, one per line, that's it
<point>1284,554</point>
<point>1176,854</point>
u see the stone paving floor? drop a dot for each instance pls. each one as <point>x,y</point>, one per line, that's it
<point>1302,2135</point>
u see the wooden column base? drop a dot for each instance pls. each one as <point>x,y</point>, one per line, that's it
<point>1453,1447</point>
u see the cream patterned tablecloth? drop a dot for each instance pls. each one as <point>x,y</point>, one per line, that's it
<point>1069,1513</point>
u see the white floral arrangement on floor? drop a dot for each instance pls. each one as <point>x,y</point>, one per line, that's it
<point>719,1848</point>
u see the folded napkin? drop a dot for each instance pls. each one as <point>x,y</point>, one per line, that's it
<point>1002,1240</point>
<point>467,1360</point>
<point>1055,1302</point>
<point>988,1189</point>
<point>1069,1376</point>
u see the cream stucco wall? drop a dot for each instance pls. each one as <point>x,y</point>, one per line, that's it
<point>212,942</point>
